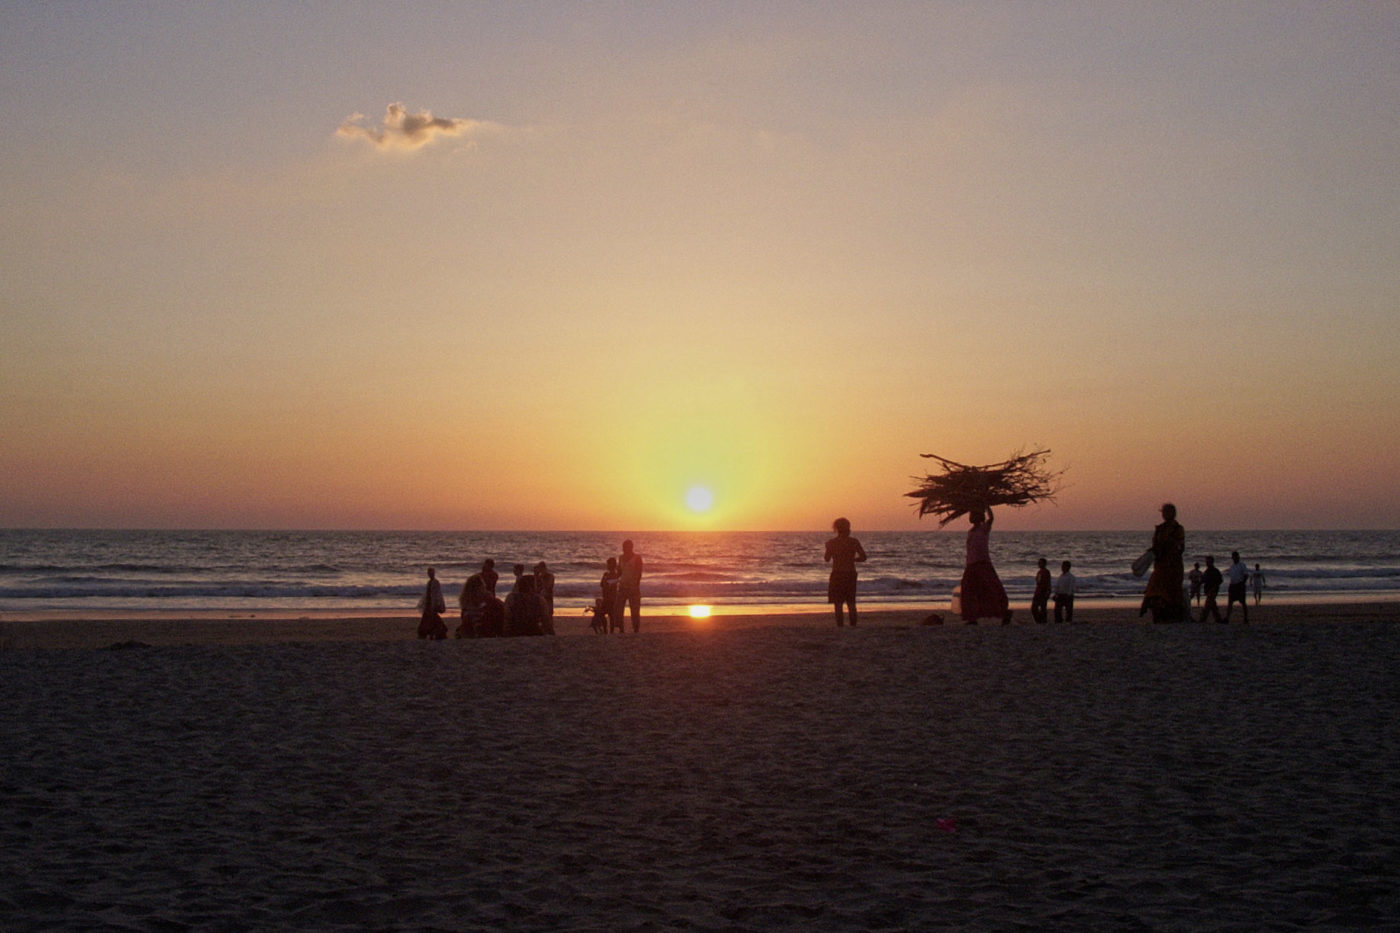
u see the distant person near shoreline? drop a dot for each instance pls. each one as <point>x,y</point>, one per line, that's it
<point>982,594</point>
<point>1164,597</point>
<point>1256,581</point>
<point>843,553</point>
<point>1040,599</point>
<point>1238,589</point>
<point>1210,585</point>
<point>1064,594</point>
<point>629,584</point>
<point>431,624</point>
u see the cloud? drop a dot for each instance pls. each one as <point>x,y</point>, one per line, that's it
<point>407,131</point>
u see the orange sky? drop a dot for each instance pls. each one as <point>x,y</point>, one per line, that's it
<point>597,259</point>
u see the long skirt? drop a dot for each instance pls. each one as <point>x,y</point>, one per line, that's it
<point>983,596</point>
<point>1165,597</point>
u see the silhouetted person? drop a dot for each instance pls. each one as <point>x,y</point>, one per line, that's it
<point>983,596</point>
<point>431,625</point>
<point>1238,591</point>
<point>544,582</point>
<point>1195,577</point>
<point>1256,581</point>
<point>1064,594</point>
<point>607,592</point>
<point>1040,599</point>
<point>1164,596</point>
<point>1210,585</point>
<point>493,618</point>
<point>629,584</point>
<point>473,603</point>
<point>489,576</point>
<point>525,608</point>
<point>843,553</point>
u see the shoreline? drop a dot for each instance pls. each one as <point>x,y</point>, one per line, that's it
<point>61,630</point>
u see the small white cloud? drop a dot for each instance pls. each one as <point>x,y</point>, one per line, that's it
<point>407,131</point>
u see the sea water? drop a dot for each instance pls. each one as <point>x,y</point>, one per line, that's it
<point>384,571</point>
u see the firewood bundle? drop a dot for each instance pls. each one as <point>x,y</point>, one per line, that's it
<point>959,489</point>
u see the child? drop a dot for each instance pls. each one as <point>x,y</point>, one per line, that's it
<point>1064,594</point>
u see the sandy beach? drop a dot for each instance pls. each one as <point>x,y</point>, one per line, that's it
<point>750,773</point>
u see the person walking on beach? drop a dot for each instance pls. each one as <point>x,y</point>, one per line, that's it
<point>1195,577</point>
<point>983,596</point>
<point>629,584</point>
<point>1210,585</point>
<point>1256,582</point>
<point>431,624</point>
<point>489,576</point>
<point>843,553</point>
<point>1237,593</point>
<point>1164,594</point>
<point>1064,594</point>
<point>1040,600</point>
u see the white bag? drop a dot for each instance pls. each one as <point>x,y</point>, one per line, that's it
<point>1143,563</point>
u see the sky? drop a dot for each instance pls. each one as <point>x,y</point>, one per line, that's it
<point>730,266</point>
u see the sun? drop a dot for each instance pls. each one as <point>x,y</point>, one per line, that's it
<point>699,498</point>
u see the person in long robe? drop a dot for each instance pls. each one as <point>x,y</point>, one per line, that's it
<point>1164,596</point>
<point>982,594</point>
<point>431,625</point>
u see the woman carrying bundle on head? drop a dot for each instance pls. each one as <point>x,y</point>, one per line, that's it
<point>983,596</point>
<point>973,490</point>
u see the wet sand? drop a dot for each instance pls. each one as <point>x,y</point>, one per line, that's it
<point>750,773</point>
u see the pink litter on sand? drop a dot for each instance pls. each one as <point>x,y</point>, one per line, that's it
<point>947,824</point>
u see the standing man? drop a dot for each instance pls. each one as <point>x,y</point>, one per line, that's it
<point>629,584</point>
<point>1040,600</point>
<point>1064,594</point>
<point>843,553</point>
<point>1238,592</point>
<point>1210,584</point>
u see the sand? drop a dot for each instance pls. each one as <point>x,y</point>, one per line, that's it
<point>764,773</point>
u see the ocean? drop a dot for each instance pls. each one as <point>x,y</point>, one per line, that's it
<point>372,572</point>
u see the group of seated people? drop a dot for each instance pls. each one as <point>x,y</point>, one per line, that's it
<point>527,610</point>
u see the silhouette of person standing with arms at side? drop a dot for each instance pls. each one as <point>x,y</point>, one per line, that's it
<point>1164,597</point>
<point>1256,583</point>
<point>843,553</point>
<point>1064,594</point>
<point>629,584</point>
<point>1195,577</point>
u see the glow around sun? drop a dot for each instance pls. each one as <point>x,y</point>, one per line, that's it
<point>699,499</point>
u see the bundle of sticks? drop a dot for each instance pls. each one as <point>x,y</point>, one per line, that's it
<point>959,489</point>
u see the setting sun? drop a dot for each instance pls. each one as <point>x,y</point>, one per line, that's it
<point>699,612</point>
<point>699,499</point>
